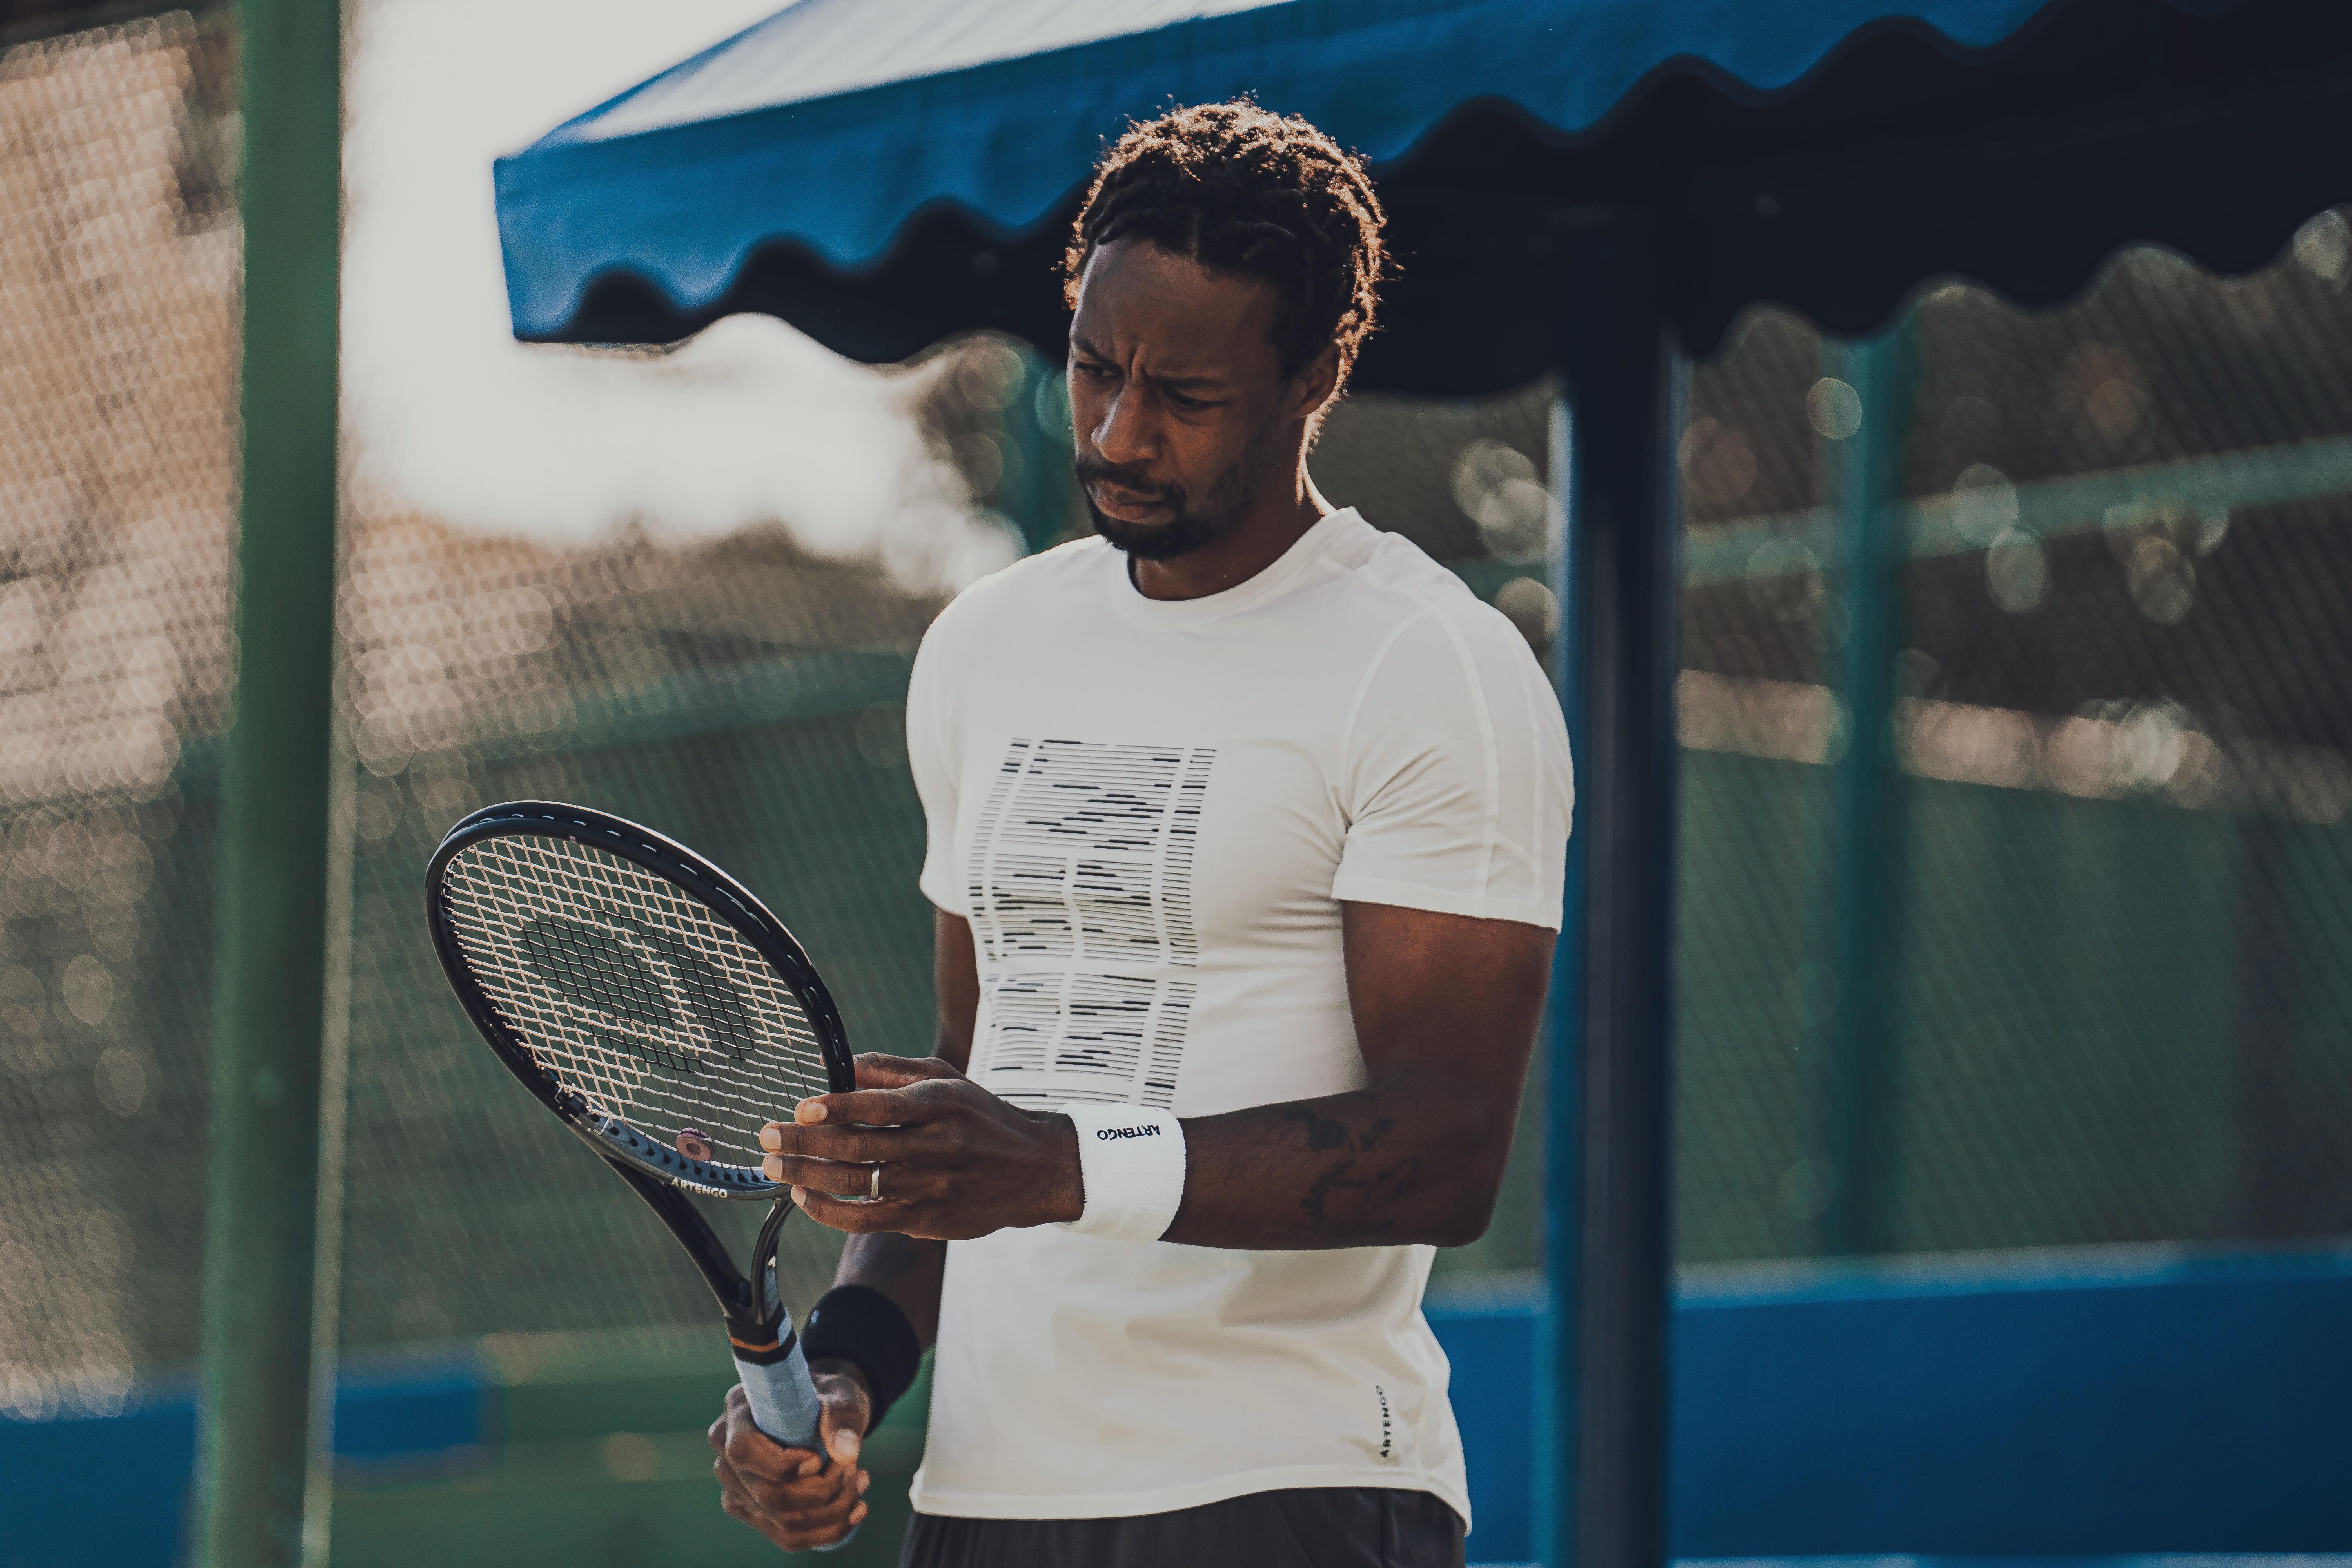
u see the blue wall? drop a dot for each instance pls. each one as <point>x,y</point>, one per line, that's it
<point>2099,1404</point>
<point>107,1489</point>
<point>114,1490</point>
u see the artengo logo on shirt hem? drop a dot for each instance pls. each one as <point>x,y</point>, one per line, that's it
<point>1151,1131</point>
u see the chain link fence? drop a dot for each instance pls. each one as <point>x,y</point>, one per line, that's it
<point>2122,723</point>
<point>2124,730</point>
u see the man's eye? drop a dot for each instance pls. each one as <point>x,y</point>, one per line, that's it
<point>1188,404</point>
<point>1097,371</point>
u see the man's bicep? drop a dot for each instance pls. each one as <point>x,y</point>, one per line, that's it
<point>1445,992</point>
<point>955,976</point>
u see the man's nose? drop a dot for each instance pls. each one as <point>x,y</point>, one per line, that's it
<point>1125,433</point>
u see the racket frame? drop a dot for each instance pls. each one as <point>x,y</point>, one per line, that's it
<point>752,1305</point>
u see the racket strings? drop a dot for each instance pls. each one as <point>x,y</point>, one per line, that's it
<point>630,990</point>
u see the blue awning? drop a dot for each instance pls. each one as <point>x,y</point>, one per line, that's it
<point>833,121</point>
<point>885,173</point>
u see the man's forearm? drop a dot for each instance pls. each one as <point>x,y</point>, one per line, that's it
<point>908,1270</point>
<point>1402,1161</point>
<point>1415,1157</point>
<point>1445,1008</point>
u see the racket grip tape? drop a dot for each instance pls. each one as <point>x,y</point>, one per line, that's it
<point>784,1401</point>
<point>785,1406</point>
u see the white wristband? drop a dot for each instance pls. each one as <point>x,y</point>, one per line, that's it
<point>1132,1163</point>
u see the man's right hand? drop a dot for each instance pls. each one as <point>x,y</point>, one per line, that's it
<point>795,1498</point>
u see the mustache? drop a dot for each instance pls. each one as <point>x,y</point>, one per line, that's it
<point>1127,477</point>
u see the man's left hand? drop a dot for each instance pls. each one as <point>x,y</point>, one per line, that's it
<point>956,1160</point>
<point>796,1498</point>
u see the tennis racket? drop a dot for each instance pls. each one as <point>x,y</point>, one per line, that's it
<point>665,1015</point>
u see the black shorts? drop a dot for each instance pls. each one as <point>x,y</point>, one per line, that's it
<point>1309,1527</point>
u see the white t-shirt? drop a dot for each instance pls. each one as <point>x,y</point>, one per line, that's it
<point>1149,811</point>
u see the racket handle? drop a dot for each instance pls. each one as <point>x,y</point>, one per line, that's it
<point>785,1406</point>
<point>784,1401</point>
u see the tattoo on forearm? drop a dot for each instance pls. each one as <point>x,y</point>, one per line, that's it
<point>1320,1193</point>
<point>1328,1131</point>
<point>1370,1192</point>
<point>1322,1132</point>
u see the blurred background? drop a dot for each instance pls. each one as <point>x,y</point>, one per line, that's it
<point>2109,890</point>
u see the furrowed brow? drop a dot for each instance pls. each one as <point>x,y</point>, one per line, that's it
<point>1188,383</point>
<point>1174,383</point>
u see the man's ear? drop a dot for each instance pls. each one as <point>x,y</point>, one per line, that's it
<point>1318,383</point>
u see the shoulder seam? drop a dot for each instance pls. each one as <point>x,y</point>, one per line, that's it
<point>1364,686</point>
<point>1494,801</point>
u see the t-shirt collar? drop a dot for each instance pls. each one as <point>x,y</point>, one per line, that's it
<point>1277,577</point>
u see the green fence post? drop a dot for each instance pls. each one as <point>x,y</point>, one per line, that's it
<point>270,1069</point>
<point>1865,831</point>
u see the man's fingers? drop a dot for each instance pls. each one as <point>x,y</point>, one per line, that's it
<point>799,1528</point>
<point>876,1071</point>
<point>822,1492</point>
<point>795,1498</point>
<point>856,1218</point>
<point>846,1407</point>
<point>820,1495</point>
<point>842,1430</point>
<point>844,1138</point>
<point>868,1107</point>
<point>816,1504</point>
<point>758,1457</point>
<point>822,1175</point>
<point>848,1144</point>
<point>801,1537</point>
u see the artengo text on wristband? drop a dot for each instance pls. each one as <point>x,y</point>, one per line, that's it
<point>1127,1132</point>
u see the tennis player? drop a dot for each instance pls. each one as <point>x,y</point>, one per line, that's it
<point>1247,831</point>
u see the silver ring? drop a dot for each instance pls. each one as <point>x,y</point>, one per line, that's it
<point>874,1188</point>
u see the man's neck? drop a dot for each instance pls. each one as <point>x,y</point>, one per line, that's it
<point>1257,543</point>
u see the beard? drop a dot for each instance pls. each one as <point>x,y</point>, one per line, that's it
<point>1190,524</point>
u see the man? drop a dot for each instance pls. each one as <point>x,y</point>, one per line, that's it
<point>1246,829</point>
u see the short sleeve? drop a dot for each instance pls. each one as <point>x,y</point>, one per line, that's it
<point>933,758</point>
<point>1454,780</point>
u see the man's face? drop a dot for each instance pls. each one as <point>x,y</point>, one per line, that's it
<point>1178,403</point>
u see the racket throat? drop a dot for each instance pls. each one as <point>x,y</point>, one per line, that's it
<point>759,1327</point>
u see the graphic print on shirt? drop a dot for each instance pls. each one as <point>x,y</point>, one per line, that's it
<point>1081,884</point>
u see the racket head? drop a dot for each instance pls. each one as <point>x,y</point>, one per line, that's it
<point>636,989</point>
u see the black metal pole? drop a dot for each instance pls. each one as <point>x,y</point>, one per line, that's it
<point>1611,1234</point>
